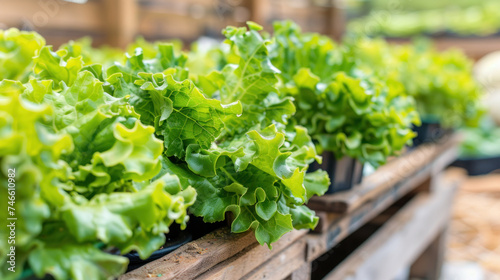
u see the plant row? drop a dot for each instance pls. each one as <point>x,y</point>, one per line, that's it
<point>480,18</point>
<point>110,148</point>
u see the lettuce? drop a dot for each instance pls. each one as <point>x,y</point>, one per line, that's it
<point>17,49</point>
<point>260,146</point>
<point>441,83</point>
<point>83,47</point>
<point>347,111</point>
<point>88,168</point>
<point>224,131</point>
<point>469,18</point>
<point>178,110</point>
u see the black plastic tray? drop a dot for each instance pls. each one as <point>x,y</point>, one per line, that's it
<point>478,166</point>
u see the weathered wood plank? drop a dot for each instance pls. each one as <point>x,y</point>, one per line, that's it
<point>196,257</point>
<point>303,273</point>
<point>428,265</point>
<point>429,158</point>
<point>212,256</point>
<point>55,14</point>
<point>254,256</point>
<point>338,226</point>
<point>282,264</point>
<point>403,238</point>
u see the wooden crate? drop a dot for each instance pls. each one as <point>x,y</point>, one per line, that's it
<point>394,179</point>
<point>413,228</point>
<point>222,255</point>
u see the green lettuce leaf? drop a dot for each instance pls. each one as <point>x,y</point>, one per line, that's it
<point>17,49</point>
<point>86,164</point>
<point>250,79</point>
<point>347,111</point>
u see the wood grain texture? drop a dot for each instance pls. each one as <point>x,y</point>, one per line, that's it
<point>403,238</point>
<point>218,255</point>
<point>282,264</point>
<point>196,257</point>
<point>303,273</point>
<point>256,257</point>
<point>428,265</point>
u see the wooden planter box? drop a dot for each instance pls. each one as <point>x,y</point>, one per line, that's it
<point>408,201</point>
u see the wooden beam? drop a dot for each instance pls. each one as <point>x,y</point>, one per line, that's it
<point>337,20</point>
<point>194,258</point>
<point>219,255</point>
<point>403,238</point>
<point>121,21</point>
<point>429,263</point>
<point>56,14</point>
<point>257,260</point>
<point>410,168</point>
<point>281,264</point>
<point>258,11</point>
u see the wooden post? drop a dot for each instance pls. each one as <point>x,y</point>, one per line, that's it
<point>258,11</point>
<point>122,21</point>
<point>428,265</point>
<point>337,20</point>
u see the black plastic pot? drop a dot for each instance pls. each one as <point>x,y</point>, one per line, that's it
<point>344,173</point>
<point>478,166</point>
<point>198,228</point>
<point>429,132</point>
<point>175,239</point>
<point>195,229</point>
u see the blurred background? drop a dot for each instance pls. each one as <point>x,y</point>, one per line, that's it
<point>118,22</point>
<point>472,26</point>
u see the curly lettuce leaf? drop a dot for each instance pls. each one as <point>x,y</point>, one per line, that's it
<point>179,111</point>
<point>250,195</point>
<point>251,176</point>
<point>183,115</point>
<point>441,83</point>
<point>83,47</point>
<point>17,49</point>
<point>251,79</point>
<point>86,164</point>
<point>30,151</point>
<point>258,146</point>
<point>111,145</point>
<point>347,111</point>
<point>75,261</point>
<point>50,65</point>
